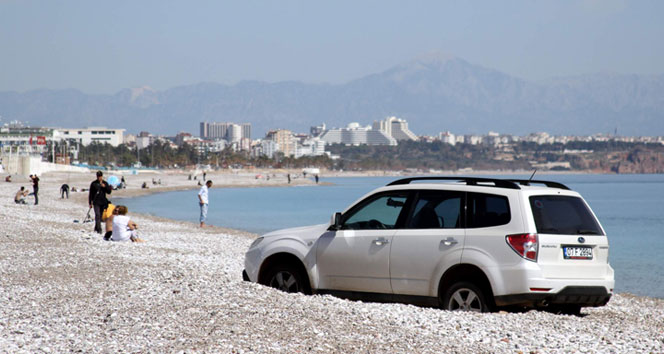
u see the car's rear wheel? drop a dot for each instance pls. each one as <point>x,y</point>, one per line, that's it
<point>465,296</point>
<point>286,278</point>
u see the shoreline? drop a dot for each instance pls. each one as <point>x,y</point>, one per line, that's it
<point>279,181</point>
<point>164,188</point>
<point>64,289</point>
<point>178,181</point>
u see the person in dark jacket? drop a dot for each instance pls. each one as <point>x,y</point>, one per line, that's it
<point>64,190</point>
<point>97,198</point>
<point>35,187</point>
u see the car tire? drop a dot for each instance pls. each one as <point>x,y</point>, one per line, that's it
<point>286,278</point>
<point>465,296</point>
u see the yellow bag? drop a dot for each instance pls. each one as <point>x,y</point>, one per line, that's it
<point>108,211</point>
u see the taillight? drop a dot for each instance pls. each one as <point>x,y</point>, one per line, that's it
<point>524,244</point>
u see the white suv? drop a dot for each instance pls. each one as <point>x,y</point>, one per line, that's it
<point>462,243</point>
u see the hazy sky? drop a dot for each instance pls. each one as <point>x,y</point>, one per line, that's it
<point>102,47</point>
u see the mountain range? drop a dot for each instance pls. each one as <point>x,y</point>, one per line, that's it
<point>433,93</point>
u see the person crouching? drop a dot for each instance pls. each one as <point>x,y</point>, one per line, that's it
<point>20,196</point>
<point>124,229</point>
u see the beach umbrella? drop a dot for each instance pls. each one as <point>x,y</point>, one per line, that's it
<point>113,181</point>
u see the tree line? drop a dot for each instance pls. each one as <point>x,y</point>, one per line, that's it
<point>407,155</point>
<point>162,155</point>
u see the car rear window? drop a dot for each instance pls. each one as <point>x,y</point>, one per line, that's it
<point>563,215</point>
<point>486,210</point>
<point>437,210</point>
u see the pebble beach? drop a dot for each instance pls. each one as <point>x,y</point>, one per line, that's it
<point>64,289</point>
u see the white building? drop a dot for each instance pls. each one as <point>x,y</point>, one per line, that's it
<point>269,147</point>
<point>540,138</point>
<point>310,147</point>
<point>473,139</point>
<point>225,130</point>
<point>235,133</point>
<point>354,134</point>
<point>87,136</point>
<point>143,141</point>
<point>448,138</point>
<point>396,128</point>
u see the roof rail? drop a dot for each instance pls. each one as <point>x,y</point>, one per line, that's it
<point>471,181</point>
<point>550,184</point>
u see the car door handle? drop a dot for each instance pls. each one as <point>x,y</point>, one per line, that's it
<point>449,241</point>
<point>380,241</point>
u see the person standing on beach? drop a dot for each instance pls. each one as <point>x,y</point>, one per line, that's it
<point>35,187</point>
<point>203,201</point>
<point>97,198</point>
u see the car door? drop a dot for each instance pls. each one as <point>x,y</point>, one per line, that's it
<point>430,242</point>
<point>356,257</point>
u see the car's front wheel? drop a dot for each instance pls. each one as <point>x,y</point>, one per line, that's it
<point>465,296</point>
<point>286,278</point>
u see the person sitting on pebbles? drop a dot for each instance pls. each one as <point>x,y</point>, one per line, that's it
<point>124,229</point>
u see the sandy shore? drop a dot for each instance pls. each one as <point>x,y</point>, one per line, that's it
<point>63,289</point>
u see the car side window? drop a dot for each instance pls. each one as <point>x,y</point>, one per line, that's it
<point>486,210</point>
<point>378,212</point>
<point>437,210</point>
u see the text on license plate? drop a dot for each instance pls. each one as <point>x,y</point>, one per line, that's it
<point>578,252</point>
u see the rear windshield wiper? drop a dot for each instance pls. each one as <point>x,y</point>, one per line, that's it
<point>587,232</point>
<point>549,230</point>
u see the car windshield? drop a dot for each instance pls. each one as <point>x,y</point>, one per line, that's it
<point>563,215</point>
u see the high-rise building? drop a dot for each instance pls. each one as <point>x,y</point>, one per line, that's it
<point>246,130</point>
<point>204,129</point>
<point>396,128</point>
<point>226,130</point>
<point>285,140</point>
<point>234,133</point>
<point>354,134</point>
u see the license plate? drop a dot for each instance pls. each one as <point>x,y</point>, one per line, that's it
<point>578,253</point>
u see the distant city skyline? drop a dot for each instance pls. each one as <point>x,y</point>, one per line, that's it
<point>101,48</point>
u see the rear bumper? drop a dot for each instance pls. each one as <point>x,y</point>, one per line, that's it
<point>584,296</point>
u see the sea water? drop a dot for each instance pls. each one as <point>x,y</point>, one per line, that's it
<point>629,207</point>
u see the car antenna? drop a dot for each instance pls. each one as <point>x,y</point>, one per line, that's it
<point>533,175</point>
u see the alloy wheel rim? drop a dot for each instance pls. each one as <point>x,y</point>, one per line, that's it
<point>465,299</point>
<point>285,281</point>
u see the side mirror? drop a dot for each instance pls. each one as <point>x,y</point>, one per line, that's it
<point>335,222</point>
